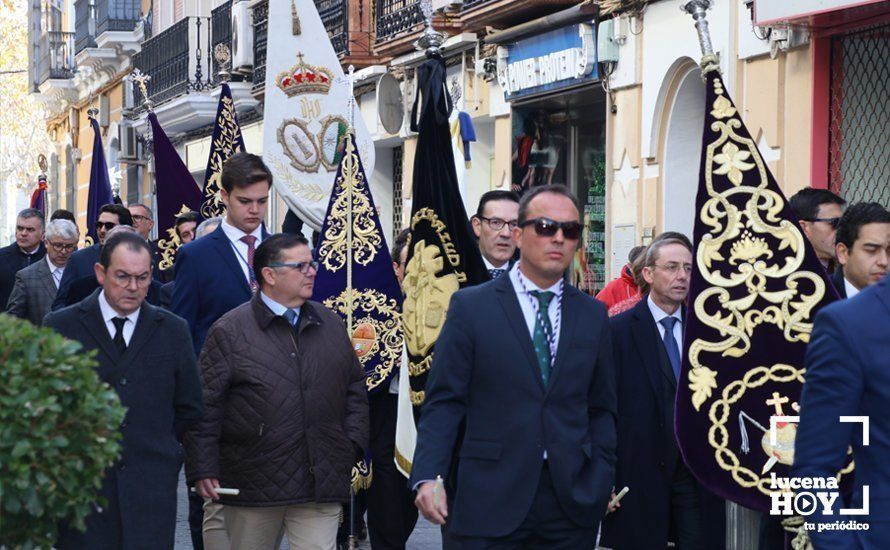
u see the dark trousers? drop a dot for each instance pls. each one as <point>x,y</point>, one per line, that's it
<point>196,519</point>
<point>772,534</point>
<point>686,511</point>
<point>103,528</point>
<point>391,511</point>
<point>545,526</point>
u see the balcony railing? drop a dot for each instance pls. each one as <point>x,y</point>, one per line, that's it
<point>56,56</point>
<point>260,37</point>
<point>335,17</point>
<point>221,28</point>
<point>117,15</point>
<point>177,60</point>
<point>84,25</point>
<point>396,17</point>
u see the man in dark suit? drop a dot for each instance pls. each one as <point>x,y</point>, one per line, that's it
<point>648,339</point>
<point>848,374</point>
<point>36,285</point>
<point>493,224</point>
<point>145,354</point>
<point>27,249</point>
<point>818,212</point>
<point>214,275</point>
<point>143,222</point>
<point>526,361</point>
<point>863,247</point>
<point>82,263</point>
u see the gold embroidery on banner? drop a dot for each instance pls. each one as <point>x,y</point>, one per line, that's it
<point>304,78</point>
<point>385,328</point>
<point>428,293</point>
<point>223,147</point>
<point>362,475</point>
<point>298,143</point>
<point>331,141</point>
<point>309,192</point>
<point>749,283</point>
<point>416,369</point>
<point>366,239</point>
<point>417,397</point>
<point>171,244</point>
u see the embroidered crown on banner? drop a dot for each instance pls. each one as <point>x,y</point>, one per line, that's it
<point>304,78</point>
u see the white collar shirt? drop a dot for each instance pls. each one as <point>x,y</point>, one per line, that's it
<point>234,235</point>
<point>108,314</point>
<point>660,314</point>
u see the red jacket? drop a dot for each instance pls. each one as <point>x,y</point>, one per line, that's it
<point>620,289</point>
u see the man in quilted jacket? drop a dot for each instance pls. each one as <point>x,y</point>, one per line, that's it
<point>286,411</point>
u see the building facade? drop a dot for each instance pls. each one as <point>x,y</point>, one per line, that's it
<point>604,97</point>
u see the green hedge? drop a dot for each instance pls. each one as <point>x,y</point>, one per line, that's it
<point>59,430</point>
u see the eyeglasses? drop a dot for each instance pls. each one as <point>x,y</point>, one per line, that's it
<point>302,267</point>
<point>546,227</point>
<point>107,225</point>
<point>673,268</point>
<point>61,247</point>
<point>124,279</point>
<point>497,224</point>
<point>138,218</point>
<point>833,222</point>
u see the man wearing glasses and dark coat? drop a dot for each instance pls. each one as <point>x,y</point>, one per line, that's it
<point>526,361</point>
<point>145,354</point>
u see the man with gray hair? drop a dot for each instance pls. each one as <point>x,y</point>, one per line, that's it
<point>26,250</point>
<point>36,286</point>
<point>208,226</point>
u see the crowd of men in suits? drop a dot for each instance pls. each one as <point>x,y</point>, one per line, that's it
<point>539,408</point>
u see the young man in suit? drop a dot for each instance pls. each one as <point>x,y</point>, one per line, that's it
<point>648,339</point>
<point>863,248</point>
<point>493,224</point>
<point>526,361</point>
<point>81,264</point>
<point>27,249</point>
<point>36,285</point>
<point>214,275</point>
<point>145,354</point>
<point>848,374</point>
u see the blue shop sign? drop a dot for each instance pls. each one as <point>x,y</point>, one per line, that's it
<point>547,62</point>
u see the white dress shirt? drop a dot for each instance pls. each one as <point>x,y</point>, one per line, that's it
<point>660,314</point>
<point>55,270</point>
<point>851,290</point>
<point>489,266</point>
<point>234,234</point>
<point>108,314</point>
<point>526,300</point>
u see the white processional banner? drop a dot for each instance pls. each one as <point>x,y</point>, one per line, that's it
<point>306,114</point>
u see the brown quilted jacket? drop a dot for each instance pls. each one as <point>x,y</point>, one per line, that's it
<point>285,410</point>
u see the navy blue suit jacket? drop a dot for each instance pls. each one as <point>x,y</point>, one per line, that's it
<point>485,372</point>
<point>80,265</point>
<point>209,283</point>
<point>848,374</point>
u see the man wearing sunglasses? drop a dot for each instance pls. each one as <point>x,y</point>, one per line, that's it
<point>36,285</point>
<point>819,212</point>
<point>286,410</point>
<point>526,362</point>
<point>81,263</point>
<point>493,224</point>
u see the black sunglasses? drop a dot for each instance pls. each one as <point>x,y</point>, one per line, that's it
<point>107,225</point>
<point>546,227</point>
<point>834,222</point>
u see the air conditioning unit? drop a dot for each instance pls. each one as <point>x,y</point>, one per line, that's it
<point>242,37</point>
<point>129,142</point>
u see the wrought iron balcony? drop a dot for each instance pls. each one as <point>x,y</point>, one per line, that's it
<point>335,17</point>
<point>396,17</point>
<point>177,59</point>
<point>117,15</point>
<point>221,29</point>
<point>84,25</point>
<point>260,37</point>
<point>56,59</point>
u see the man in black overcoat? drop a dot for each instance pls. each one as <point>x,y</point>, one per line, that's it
<point>146,355</point>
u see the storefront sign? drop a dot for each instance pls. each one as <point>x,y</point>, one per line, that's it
<point>548,62</point>
<point>777,11</point>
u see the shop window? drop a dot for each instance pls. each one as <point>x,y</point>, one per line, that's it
<point>561,139</point>
<point>859,130</point>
